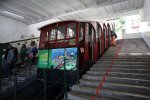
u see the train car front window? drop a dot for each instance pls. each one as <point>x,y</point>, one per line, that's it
<point>71,30</point>
<point>61,32</point>
<point>81,31</point>
<point>53,34</point>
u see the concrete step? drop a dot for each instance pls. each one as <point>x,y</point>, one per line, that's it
<point>119,65</point>
<point>125,59</point>
<point>94,81</point>
<point>73,95</point>
<point>128,79</point>
<point>122,87</point>
<point>124,63</point>
<point>127,88</point>
<point>123,66</point>
<point>124,70</point>
<point>120,75</point>
<point>128,54</point>
<point>77,95</point>
<point>117,95</point>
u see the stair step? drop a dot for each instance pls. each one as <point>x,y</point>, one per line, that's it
<point>124,88</point>
<point>127,88</point>
<point>128,79</point>
<point>117,95</point>
<point>96,80</point>
<point>123,66</point>
<point>126,56</point>
<point>121,75</point>
<point>119,65</point>
<point>77,95</point>
<point>73,95</point>
<point>124,60</point>
<point>124,63</point>
<point>124,70</point>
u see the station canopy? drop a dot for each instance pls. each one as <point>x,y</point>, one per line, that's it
<point>34,11</point>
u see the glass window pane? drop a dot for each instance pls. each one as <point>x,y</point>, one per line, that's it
<point>61,32</point>
<point>81,31</point>
<point>53,34</point>
<point>71,30</point>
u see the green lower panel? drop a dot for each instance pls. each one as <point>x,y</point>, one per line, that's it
<point>56,58</point>
<point>43,59</point>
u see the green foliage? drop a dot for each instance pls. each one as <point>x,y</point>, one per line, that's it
<point>120,23</point>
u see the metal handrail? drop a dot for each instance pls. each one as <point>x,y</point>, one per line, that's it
<point>147,33</point>
<point>44,89</point>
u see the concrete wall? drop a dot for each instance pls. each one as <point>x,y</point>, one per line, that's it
<point>145,14</point>
<point>146,37</point>
<point>11,30</point>
<point>33,28</point>
<point>18,44</point>
<point>131,35</point>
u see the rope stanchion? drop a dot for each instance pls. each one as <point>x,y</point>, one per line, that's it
<point>15,85</point>
<point>65,78</point>
<point>78,74</point>
<point>45,88</point>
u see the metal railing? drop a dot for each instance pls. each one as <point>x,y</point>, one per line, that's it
<point>45,82</point>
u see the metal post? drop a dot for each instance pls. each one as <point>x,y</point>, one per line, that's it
<point>30,67</point>
<point>15,85</point>
<point>45,92</point>
<point>65,85</point>
<point>78,65</point>
<point>45,82</point>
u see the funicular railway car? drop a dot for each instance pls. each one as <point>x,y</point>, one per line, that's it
<point>80,43</point>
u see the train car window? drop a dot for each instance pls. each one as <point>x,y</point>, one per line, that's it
<point>87,32</point>
<point>53,34</point>
<point>91,35</point>
<point>94,33</point>
<point>81,31</point>
<point>61,32</point>
<point>71,30</point>
<point>98,31</point>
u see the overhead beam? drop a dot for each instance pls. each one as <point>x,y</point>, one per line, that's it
<point>30,7</point>
<point>21,20</point>
<point>119,14</point>
<point>15,11</point>
<point>108,2</point>
<point>43,9</point>
<point>19,9</point>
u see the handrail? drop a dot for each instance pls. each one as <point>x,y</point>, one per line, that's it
<point>37,97</point>
<point>55,82</point>
<point>147,33</point>
<point>44,89</point>
<point>146,38</point>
